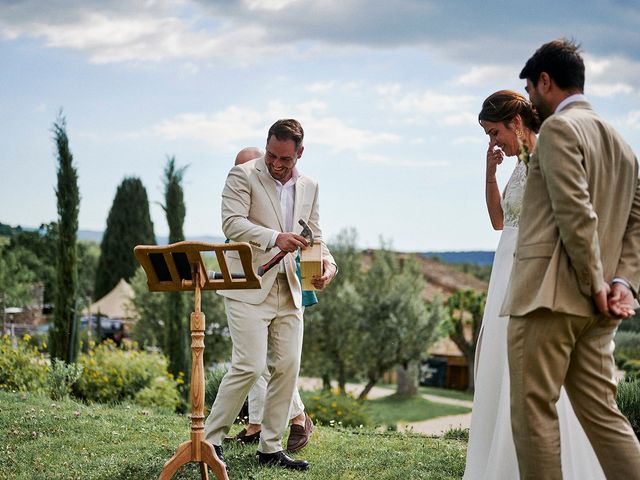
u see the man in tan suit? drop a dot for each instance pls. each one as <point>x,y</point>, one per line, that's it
<point>261,203</point>
<point>576,271</point>
<point>301,423</point>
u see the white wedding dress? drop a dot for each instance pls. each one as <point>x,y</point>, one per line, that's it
<point>491,452</point>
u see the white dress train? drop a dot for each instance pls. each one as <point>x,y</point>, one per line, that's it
<point>491,452</point>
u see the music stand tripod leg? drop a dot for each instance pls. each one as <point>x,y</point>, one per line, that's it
<point>182,456</point>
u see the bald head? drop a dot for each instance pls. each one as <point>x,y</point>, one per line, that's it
<point>248,153</point>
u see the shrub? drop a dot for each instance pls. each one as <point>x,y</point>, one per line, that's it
<point>627,347</point>
<point>114,374</point>
<point>461,434</point>
<point>161,393</point>
<point>22,366</point>
<point>62,376</point>
<point>39,340</point>
<point>632,369</point>
<point>212,381</point>
<point>628,399</point>
<point>329,408</point>
<point>630,324</point>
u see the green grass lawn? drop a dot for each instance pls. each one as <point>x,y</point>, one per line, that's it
<point>66,440</point>
<point>443,392</point>
<point>393,409</point>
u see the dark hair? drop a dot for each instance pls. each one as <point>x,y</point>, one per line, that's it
<point>287,129</point>
<point>504,105</point>
<point>561,60</point>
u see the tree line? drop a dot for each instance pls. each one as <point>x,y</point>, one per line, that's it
<point>372,318</point>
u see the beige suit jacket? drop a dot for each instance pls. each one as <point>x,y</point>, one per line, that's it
<point>251,213</point>
<point>580,220</point>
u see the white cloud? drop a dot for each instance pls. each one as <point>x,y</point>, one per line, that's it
<point>609,89</point>
<point>610,76</point>
<point>235,125</point>
<point>487,75</point>
<point>320,87</point>
<point>242,31</point>
<point>460,119</point>
<point>223,129</point>
<point>338,136</point>
<point>269,5</point>
<point>398,99</point>
<point>469,140</point>
<point>383,160</point>
<point>147,35</point>
<point>633,119</point>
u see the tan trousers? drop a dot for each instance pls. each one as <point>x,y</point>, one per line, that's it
<point>257,395</point>
<point>547,350</point>
<point>269,334</point>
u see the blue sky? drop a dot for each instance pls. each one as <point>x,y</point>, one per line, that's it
<point>388,93</point>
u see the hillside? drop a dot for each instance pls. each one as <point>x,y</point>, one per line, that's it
<point>442,278</point>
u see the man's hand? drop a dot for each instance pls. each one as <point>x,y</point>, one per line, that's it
<point>601,299</point>
<point>328,272</point>
<point>621,301</point>
<point>290,242</point>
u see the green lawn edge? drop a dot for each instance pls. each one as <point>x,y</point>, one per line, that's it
<point>43,439</point>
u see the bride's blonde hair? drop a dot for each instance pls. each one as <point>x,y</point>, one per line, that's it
<point>504,105</point>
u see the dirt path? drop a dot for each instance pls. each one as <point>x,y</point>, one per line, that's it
<point>307,383</point>
<point>434,426</point>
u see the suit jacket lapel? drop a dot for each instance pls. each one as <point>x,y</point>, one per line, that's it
<point>269,185</point>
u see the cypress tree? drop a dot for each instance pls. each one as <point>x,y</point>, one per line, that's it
<point>128,224</point>
<point>64,338</point>
<point>176,331</point>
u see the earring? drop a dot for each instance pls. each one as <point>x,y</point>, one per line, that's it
<point>519,133</point>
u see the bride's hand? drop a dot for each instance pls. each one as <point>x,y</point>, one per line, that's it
<point>494,158</point>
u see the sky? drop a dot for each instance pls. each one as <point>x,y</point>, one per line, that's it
<point>388,93</point>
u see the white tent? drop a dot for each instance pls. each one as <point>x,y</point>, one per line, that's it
<point>114,304</point>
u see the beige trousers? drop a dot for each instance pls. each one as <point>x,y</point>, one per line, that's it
<point>258,394</point>
<point>547,350</point>
<point>266,335</point>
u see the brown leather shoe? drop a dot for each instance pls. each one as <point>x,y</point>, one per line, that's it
<point>299,435</point>
<point>243,438</point>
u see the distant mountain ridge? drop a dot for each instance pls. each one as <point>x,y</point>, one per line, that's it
<point>477,257</point>
<point>94,236</point>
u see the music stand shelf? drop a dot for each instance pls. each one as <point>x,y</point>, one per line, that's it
<point>180,267</point>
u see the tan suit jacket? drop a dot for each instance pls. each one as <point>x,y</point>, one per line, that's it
<point>251,213</point>
<point>580,220</point>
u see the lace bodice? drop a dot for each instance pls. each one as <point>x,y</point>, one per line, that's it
<point>512,196</point>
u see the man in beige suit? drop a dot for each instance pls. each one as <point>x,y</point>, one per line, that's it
<point>576,271</point>
<point>261,203</point>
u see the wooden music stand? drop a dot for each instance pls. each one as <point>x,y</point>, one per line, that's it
<point>180,267</point>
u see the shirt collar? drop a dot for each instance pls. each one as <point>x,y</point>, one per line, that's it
<point>292,181</point>
<point>576,97</point>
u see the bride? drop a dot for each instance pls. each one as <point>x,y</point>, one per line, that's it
<point>511,123</point>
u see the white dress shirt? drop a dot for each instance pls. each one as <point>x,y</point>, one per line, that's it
<point>287,196</point>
